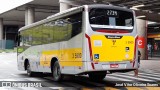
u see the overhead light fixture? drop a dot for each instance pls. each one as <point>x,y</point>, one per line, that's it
<point>133,8</point>
<point>137,6</point>
<point>150,22</point>
<point>95,1</point>
<point>156,27</point>
<point>141,16</point>
<point>156,38</point>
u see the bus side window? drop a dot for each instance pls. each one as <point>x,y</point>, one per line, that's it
<point>76,24</point>
<point>27,37</point>
<point>37,35</point>
<point>47,33</point>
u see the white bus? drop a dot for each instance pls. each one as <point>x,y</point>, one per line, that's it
<point>94,40</point>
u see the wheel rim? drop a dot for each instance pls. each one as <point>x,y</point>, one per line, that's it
<point>28,70</point>
<point>56,73</point>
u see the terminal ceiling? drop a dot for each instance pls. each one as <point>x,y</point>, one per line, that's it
<point>43,8</point>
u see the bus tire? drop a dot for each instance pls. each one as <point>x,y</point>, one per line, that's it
<point>29,72</point>
<point>56,72</point>
<point>98,76</point>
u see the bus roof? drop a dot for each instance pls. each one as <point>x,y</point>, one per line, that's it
<point>71,11</point>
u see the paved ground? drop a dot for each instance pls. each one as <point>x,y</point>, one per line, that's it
<point>8,65</point>
<point>149,73</point>
<point>150,65</point>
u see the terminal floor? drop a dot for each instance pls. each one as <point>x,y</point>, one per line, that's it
<point>150,65</point>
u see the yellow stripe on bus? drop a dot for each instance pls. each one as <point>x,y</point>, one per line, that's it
<point>66,57</point>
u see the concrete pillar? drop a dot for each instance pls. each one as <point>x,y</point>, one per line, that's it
<point>142,38</point>
<point>1,29</point>
<point>29,15</point>
<point>64,6</point>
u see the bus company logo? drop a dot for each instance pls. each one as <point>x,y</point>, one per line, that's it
<point>114,37</point>
<point>114,41</point>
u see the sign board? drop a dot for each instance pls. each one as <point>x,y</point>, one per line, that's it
<point>141,42</point>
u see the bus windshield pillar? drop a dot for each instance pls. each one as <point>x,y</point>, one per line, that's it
<point>1,28</point>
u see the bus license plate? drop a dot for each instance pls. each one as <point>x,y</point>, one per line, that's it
<point>114,65</point>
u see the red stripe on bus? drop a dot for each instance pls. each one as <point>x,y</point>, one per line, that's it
<point>90,49</point>
<point>112,31</point>
<point>133,63</point>
<point>92,65</point>
<point>135,48</point>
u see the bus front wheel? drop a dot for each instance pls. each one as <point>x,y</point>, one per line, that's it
<point>98,76</point>
<point>56,72</point>
<point>29,72</point>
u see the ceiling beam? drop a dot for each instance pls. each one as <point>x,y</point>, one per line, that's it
<point>42,6</point>
<point>149,16</point>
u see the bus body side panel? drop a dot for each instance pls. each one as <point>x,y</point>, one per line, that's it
<point>72,54</point>
<point>32,54</point>
<point>47,55</point>
<point>20,63</point>
<point>69,55</point>
<point>65,44</point>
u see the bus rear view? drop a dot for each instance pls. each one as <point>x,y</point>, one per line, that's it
<point>110,40</point>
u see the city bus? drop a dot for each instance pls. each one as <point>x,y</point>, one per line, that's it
<point>92,40</point>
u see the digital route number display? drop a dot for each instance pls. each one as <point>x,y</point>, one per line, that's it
<point>112,13</point>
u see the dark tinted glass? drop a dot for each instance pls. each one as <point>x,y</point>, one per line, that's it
<point>111,17</point>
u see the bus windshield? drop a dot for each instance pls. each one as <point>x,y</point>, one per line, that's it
<point>101,18</point>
